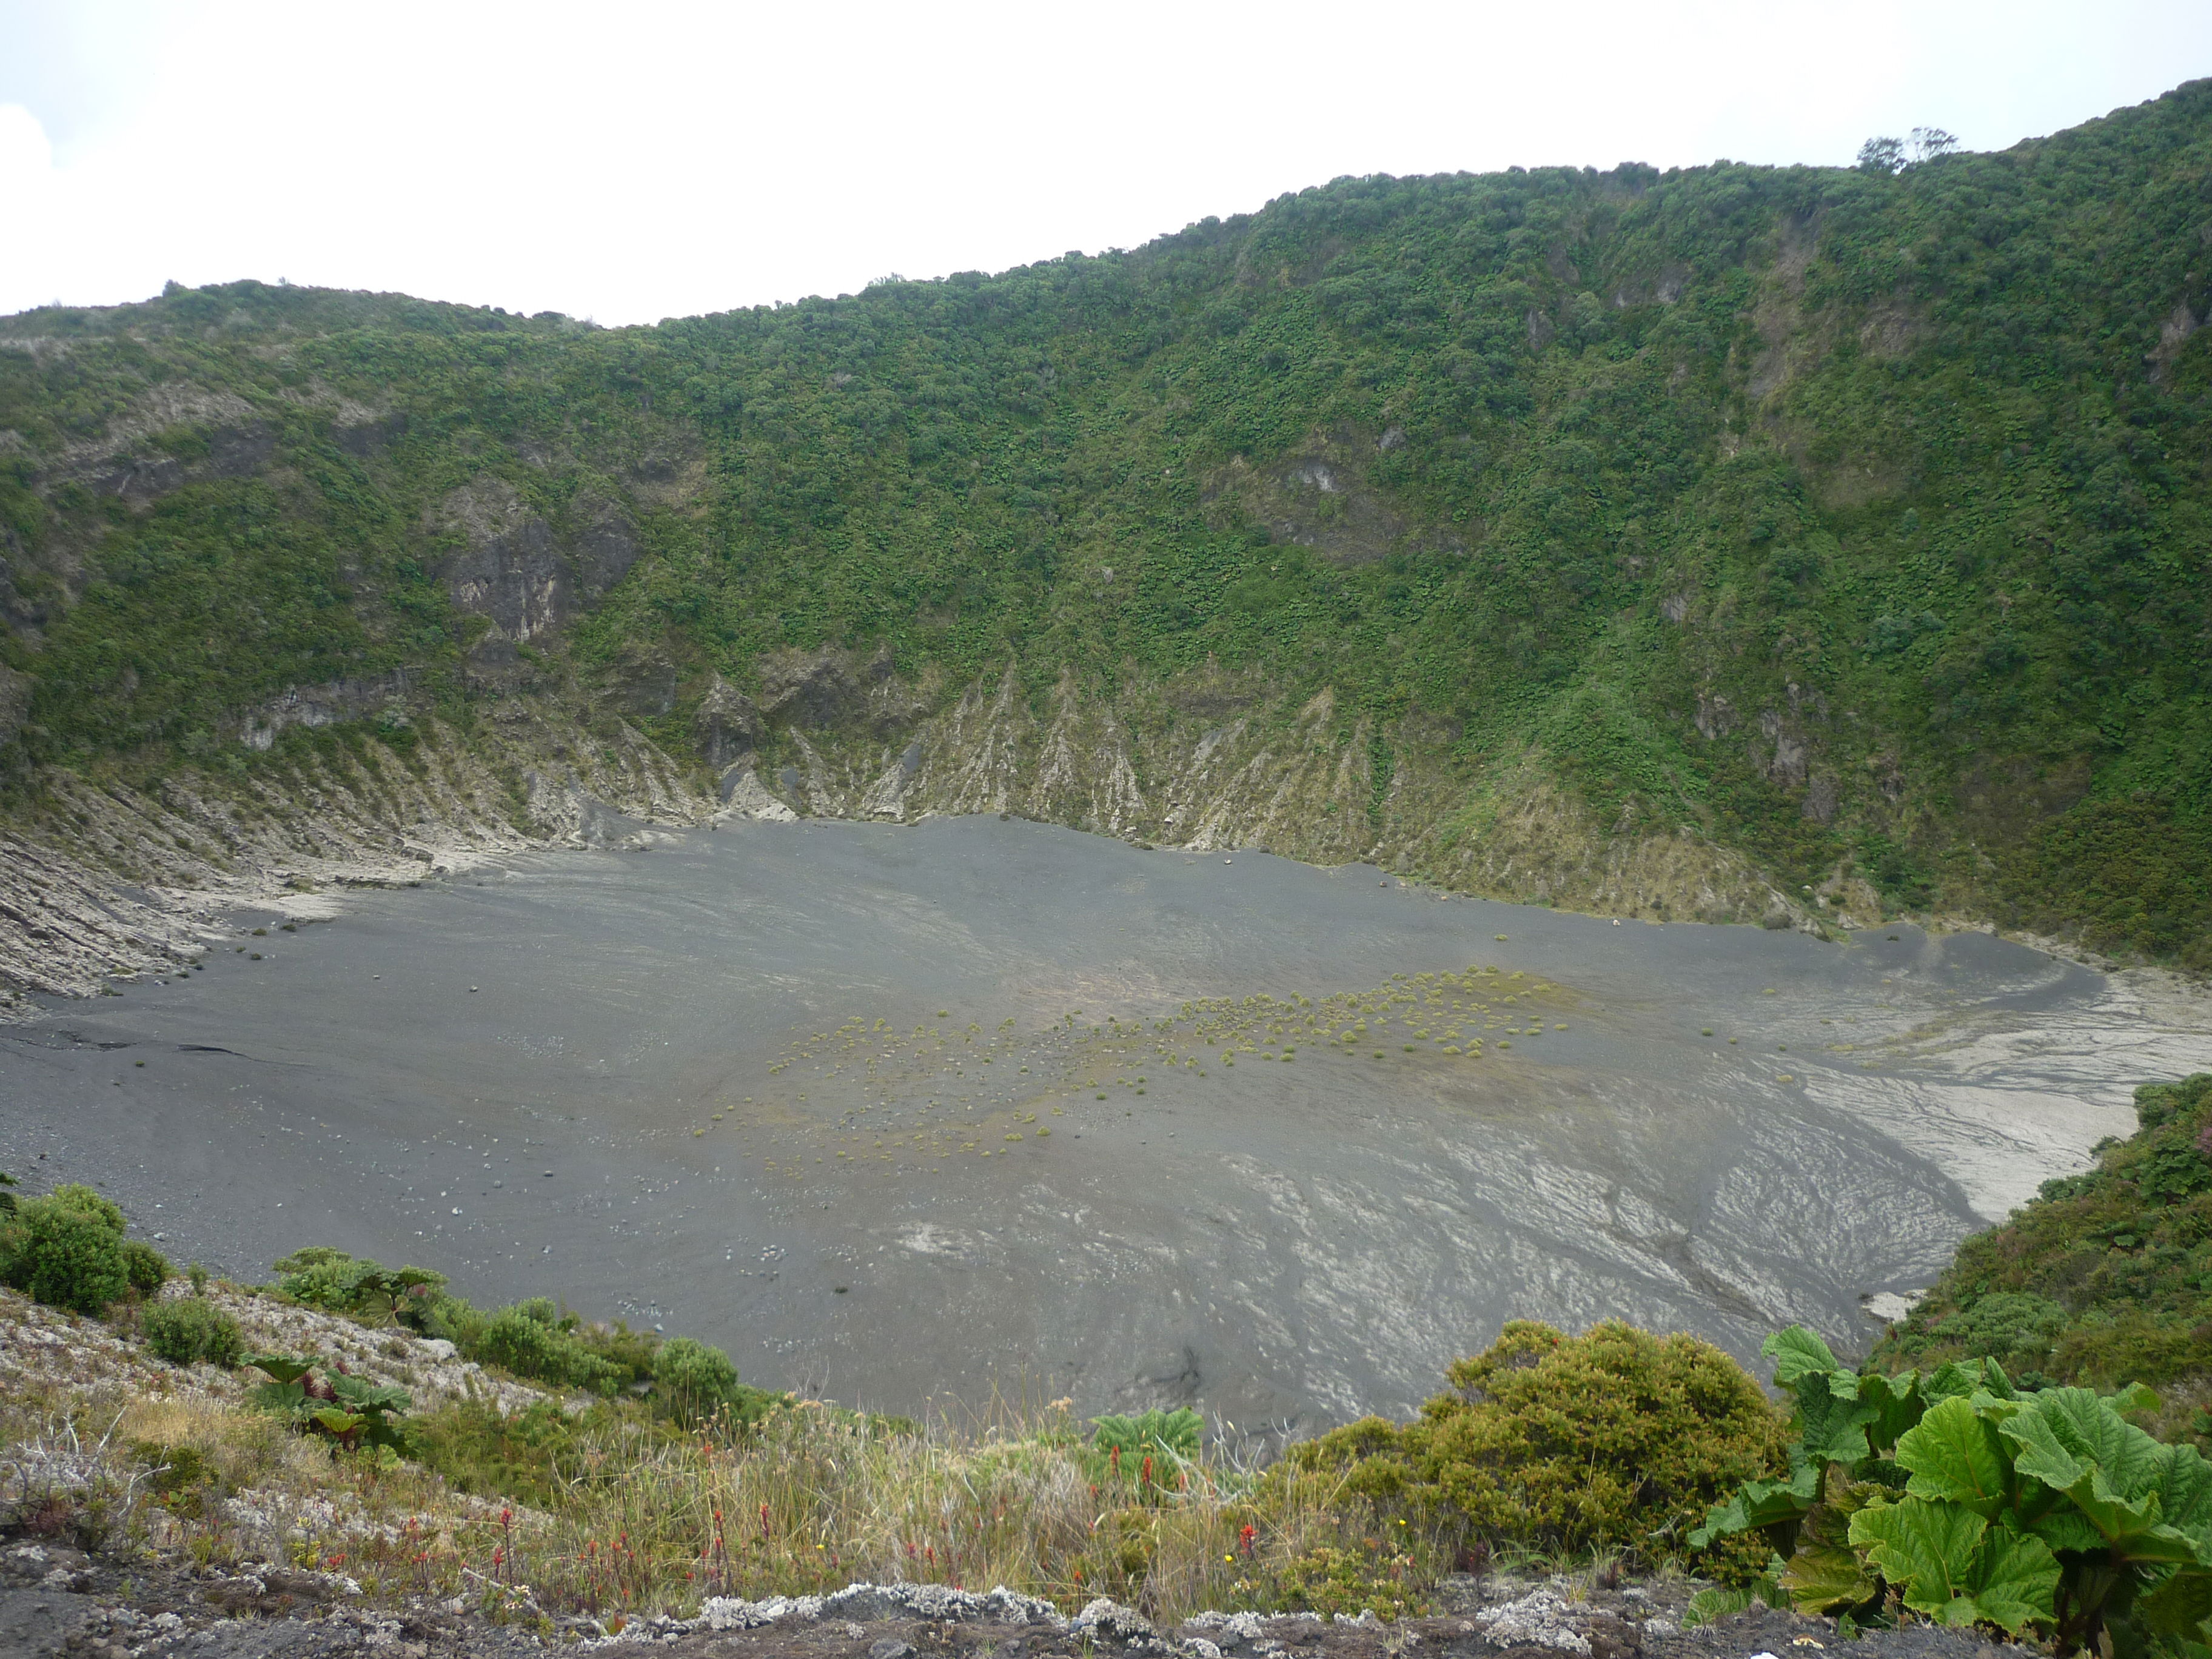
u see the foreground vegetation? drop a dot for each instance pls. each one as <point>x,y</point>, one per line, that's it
<point>1854,519</point>
<point>1954,1496</point>
<point>631,1472</point>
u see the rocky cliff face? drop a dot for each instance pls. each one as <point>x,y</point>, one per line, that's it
<point>510,566</point>
<point>107,881</point>
<point>1211,763</point>
<point>102,882</point>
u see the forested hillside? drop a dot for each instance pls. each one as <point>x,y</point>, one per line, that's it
<point>1850,525</point>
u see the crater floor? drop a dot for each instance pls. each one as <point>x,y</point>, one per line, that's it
<point>896,1113</point>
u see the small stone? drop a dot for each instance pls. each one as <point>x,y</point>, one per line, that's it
<point>889,1647</point>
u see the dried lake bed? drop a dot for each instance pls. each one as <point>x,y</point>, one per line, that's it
<point>904,1114</point>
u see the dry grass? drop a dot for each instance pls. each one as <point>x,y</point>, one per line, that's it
<point>611,1508</point>
<point>815,1500</point>
<point>642,1520</point>
<point>240,1449</point>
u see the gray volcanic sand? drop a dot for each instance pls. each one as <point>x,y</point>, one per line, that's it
<point>501,1076</point>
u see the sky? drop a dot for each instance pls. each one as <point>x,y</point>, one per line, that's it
<point>629,162</point>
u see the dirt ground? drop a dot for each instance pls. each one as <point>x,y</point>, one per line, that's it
<point>56,1601</point>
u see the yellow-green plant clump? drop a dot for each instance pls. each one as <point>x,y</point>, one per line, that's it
<point>1616,1439</point>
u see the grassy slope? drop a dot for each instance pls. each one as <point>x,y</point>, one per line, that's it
<point>1914,468</point>
<point>2102,1280</point>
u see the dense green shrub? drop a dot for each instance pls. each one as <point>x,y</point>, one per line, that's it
<point>66,1253</point>
<point>2101,1278</point>
<point>532,1339</point>
<point>1612,1439</point>
<point>693,1371</point>
<point>2013,1327</point>
<point>529,1342</point>
<point>514,1339</point>
<point>696,1382</point>
<point>76,1196</point>
<point>146,1268</point>
<point>632,1353</point>
<point>188,1331</point>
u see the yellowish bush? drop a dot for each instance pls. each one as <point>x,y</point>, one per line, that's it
<point>1614,1439</point>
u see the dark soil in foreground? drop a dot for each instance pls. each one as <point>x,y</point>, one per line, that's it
<point>56,1601</point>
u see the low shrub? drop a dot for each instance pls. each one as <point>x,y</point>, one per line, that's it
<point>146,1268</point>
<point>1612,1439</point>
<point>525,1340</point>
<point>531,1338</point>
<point>1333,1580</point>
<point>65,1254</point>
<point>632,1353</point>
<point>190,1331</point>
<point>696,1382</point>
<point>76,1196</point>
<point>177,1477</point>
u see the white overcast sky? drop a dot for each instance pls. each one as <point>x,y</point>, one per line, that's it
<point>636,160</point>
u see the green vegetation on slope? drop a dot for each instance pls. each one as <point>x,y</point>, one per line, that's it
<point>2105,1278</point>
<point>1852,518</point>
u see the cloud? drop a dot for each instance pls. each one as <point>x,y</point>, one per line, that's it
<point>27,187</point>
<point>26,159</point>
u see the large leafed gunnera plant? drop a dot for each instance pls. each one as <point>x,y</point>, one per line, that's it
<point>1954,1496</point>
